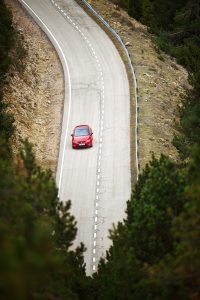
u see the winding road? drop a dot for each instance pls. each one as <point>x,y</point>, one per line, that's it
<point>96,180</point>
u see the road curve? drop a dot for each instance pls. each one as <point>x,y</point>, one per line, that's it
<point>96,180</point>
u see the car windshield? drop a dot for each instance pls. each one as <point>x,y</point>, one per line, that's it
<point>80,131</point>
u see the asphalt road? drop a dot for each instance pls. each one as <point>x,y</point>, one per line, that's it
<point>96,180</point>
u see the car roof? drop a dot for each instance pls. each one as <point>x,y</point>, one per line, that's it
<point>83,125</point>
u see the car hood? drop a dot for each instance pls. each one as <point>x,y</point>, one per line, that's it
<point>81,138</point>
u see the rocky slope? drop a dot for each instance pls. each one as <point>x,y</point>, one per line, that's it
<point>36,99</point>
<point>34,96</point>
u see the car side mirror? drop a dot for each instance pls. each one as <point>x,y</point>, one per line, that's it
<point>72,134</point>
<point>91,133</point>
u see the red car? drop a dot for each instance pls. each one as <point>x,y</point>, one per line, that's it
<point>82,136</point>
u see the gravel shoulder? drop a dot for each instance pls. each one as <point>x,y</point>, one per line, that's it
<point>36,94</point>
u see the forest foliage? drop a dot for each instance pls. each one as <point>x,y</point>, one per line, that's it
<point>156,249</point>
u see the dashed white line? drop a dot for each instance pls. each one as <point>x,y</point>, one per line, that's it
<point>101,121</point>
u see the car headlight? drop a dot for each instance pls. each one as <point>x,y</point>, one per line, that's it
<point>88,140</point>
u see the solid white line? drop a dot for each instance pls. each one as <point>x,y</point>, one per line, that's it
<point>69,80</point>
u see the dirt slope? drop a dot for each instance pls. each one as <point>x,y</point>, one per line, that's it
<point>35,97</point>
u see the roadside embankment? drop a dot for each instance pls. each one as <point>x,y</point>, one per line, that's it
<point>35,93</point>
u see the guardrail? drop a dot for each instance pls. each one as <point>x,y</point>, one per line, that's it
<point>134,79</point>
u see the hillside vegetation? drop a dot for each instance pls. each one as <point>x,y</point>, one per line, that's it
<point>156,250</point>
